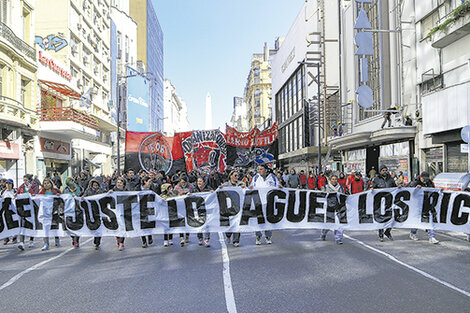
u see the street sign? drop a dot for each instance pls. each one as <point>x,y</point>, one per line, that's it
<point>464,148</point>
<point>465,134</point>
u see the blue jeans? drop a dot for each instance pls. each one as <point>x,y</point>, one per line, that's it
<point>338,233</point>
<point>431,232</point>
<point>267,233</point>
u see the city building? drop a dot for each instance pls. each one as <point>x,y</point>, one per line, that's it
<point>150,56</point>
<point>239,119</point>
<point>18,90</point>
<point>257,94</point>
<point>302,91</point>
<point>175,110</point>
<point>442,82</point>
<point>74,105</point>
<point>123,50</point>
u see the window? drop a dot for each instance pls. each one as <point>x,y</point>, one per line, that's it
<point>119,47</point>
<point>24,83</point>
<point>127,49</point>
<point>4,11</point>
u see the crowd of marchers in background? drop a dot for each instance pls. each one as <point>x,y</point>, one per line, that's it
<point>183,183</point>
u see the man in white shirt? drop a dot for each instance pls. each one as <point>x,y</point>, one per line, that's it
<point>264,179</point>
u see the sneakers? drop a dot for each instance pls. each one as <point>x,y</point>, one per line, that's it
<point>207,243</point>
<point>433,240</point>
<point>170,242</point>
<point>258,241</point>
<point>187,239</point>
<point>46,247</point>
<point>413,237</point>
<point>389,236</point>
<point>97,247</point>
<point>121,246</point>
<point>182,241</point>
<point>76,245</point>
<point>57,242</point>
<point>150,240</point>
<point>339,242</point>
<point>31,244</point>
<point>200,241</point>
<point>144,245</point>
<point>268,240</point>
<point>165,243</point>
<point>236,244</point>
<point>381,238</point>
<point>21,246</point>
<point>323,237</point>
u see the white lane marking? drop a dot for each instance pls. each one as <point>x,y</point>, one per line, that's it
<point>417,270</point>
<point>36,266</point>
<point>229,297</point>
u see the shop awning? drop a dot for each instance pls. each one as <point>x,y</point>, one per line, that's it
<point>63,89</point>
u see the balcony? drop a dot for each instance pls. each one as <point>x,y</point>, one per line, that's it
<point>13,112</point>
<point>452,27</point>
<point>68,122</point>
<point>18,44</point>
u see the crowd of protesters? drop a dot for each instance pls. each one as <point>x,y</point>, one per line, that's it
<point>182,183</point>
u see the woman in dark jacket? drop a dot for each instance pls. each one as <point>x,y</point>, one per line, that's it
<point>93,189</point>
<point>120,185</point>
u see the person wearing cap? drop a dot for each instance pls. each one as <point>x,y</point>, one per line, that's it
<point>8,192</point>
<point>383,180</point>
<point>264,179</point>
<point>421,181</point>
<point>387,116</point>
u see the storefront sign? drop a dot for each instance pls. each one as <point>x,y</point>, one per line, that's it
<point>54,146</point>
<point>9,150</point>
<point>52,65</point>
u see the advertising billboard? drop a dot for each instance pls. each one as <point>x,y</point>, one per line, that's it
<point>138,110</point>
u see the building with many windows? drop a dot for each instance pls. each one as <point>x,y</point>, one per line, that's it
<point>257,94</point>
<point>18,89</point>
<point>176,111</point>
<point>239,118</point>
<point>150,53</point>
<point>74,86</point>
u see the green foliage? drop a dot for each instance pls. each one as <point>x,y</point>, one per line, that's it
<point>459,12</point>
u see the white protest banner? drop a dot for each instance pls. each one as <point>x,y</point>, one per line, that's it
<point>131,214</point>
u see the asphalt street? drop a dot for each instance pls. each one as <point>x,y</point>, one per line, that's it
<point>297,273</point>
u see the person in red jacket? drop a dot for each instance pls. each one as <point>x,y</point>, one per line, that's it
<point>321,181</point>
<point>311,181</point>
<point>342,182</point>
<point>303,180</point>
<point>357,184</point>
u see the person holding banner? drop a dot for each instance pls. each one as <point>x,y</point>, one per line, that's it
<point>423,180</point>
<point>120,186</point>
<point>28,186</point>
<point>167,192</point>
<point>383,180</point>
<point>333,186</point>
<point>93,189</point>
<point>48,189</point>
<point>201,186</point>
<point>8,192</point>
<point>73,189</point>
<point>181,189</point>
<point>233,182</point>
<point>264,179</point>
<point>145,184</point>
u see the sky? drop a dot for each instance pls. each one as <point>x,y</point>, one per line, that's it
<point>208,46</point>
